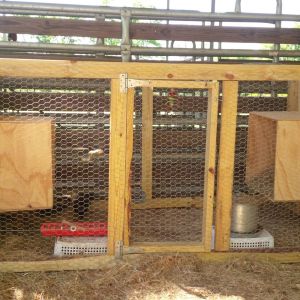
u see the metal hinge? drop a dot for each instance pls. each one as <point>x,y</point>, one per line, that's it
<point>126,83</point>
<point>119,249</point>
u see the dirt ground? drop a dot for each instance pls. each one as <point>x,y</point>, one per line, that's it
<point>160,277</point>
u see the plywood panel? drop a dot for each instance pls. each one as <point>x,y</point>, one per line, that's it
<point>287,164</point>
<point>293,100</point>
<point>26,164</point>
<point>273,158</point>
<point>279,115</point>
<point>261,146</point>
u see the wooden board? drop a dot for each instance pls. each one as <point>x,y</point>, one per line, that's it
<point>226,166</point>
<point>85,69</point>
<point>293,100</point>
<point>70,263</point>
<point>158,203</point>
<point>103,262</point>
<point>128,164</point>
<point>261,146</point>
<point>210,161</point>
<point>279,115</point>
<point>147,141</point>
<point>166,247</point>
<point>119,164</point>
<point>287,162</point>
<point>76,27</point>
<point>273,155</point>
<point>26,164</point>
<point>293,104</point>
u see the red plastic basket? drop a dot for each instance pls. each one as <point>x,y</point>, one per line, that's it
<point>74,229</point>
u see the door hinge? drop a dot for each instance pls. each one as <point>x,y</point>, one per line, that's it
<point>126,83</point>
<point>119,249</point>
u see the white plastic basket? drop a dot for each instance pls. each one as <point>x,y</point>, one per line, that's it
<point>260,240</point>
<point>66,246</point>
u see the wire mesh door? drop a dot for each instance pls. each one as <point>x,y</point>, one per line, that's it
<point>172,170</point>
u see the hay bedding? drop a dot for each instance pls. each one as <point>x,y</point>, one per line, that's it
<point>160,277</point>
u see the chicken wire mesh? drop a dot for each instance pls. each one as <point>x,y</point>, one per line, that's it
<point>172,191</point>
<point>179,130</point>
<point>79,110</point>
<point>255,164</point>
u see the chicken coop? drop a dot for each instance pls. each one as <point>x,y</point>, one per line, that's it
<point>139,158</point>
<point>131,130</point>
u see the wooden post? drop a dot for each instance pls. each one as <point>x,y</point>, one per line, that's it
<point>226,165</point>
<point>129,153</point>
<point>210,159</point>
<point>121,139</point>
<point>147,141</point>
<point>293,104</point>
<point>293,100</point>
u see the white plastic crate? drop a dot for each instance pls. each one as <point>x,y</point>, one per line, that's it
<point>260,240</point>
<point>66,246</point>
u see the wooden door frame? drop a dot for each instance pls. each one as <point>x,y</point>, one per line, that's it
<point>121,148</point>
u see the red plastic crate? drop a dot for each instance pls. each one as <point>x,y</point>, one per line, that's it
<point>74,229</point>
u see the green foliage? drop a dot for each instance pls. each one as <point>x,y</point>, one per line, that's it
<point>57,39</point>
<point>288,47</point>
<point>146,43</point>
<point>105,2</point>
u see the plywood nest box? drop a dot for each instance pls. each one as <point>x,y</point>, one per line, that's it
<point>273,155</point>
<point>26,164</point>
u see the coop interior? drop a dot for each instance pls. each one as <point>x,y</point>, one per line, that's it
<point>54,155</point>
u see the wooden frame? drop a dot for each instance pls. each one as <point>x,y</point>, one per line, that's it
<point>166,71</point>
<point>104,262</point>
<point>208,199</point>
<point>226,165</point>
<point>147,140</point>
<point>293,101</point>
<point>293,104</point>
<point>120,155</point>
<point>121,137</point>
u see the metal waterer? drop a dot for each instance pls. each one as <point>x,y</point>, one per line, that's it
<point>244,218</point>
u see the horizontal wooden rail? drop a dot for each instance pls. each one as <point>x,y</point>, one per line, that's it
<point>66,264</point>
<point>105,262</point>
<point>83,28</point>
<point>83,69</point>
<point>165,247</point>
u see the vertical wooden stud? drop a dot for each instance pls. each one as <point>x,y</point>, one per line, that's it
<point>210,157</point>
<point>293,104</point>
<point>121,128</point>
<point>129,153</point>
<point>147,141</point>
<point>293,100</point>
<point>226,165</point>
